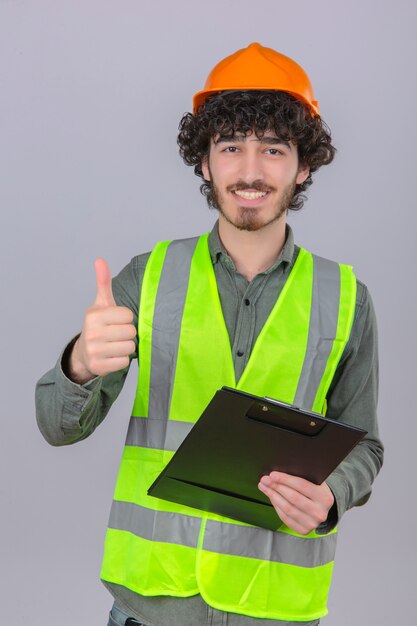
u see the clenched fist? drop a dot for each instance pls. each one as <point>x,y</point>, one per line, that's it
<point>106,340</point>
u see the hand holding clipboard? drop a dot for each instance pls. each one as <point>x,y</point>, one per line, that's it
<point>240,438</point>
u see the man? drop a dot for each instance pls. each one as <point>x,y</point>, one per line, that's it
<point>243,307</point>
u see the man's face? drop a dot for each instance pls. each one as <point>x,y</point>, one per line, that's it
<point>253,180</point>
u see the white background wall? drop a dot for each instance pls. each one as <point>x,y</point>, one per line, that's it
<point>91,94</point>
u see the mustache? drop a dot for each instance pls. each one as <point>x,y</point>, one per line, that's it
<point>256,185</point>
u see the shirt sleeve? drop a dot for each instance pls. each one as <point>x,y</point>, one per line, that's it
<point>67,412</point>
<point>352,399</point>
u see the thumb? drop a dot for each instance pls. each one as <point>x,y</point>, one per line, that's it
<point>104,296</point>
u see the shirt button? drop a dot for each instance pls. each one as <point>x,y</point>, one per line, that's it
<point>239,353</point>
<point>247,302</point>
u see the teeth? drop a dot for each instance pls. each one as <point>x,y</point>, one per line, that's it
<point>251,195</point>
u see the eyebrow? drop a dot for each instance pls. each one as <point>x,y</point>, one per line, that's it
<point>275,141</point>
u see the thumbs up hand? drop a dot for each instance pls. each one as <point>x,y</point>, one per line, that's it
<point>106,340</point>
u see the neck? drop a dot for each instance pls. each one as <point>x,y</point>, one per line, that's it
<point>253,251</point>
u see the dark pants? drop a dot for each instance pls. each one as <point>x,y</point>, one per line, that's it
<point>118,617</point>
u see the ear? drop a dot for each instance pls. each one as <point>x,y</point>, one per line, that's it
<point>303,173</point>
<point>205,168</point>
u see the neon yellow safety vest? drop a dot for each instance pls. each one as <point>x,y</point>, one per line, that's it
<point>155,547</point>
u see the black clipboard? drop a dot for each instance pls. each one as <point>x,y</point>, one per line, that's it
<point>239,438</point>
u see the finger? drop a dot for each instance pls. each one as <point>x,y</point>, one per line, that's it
<point>111,349</point>
<point>104,295</point>
<point>119,332</point>
<point>112,365</point>
<point>109,315</point>
<point>301,485</point>
<point>294,498</point>
<point>315,499</point>
<point>316,510</point>
<point>298,500</point>
<point>291,516</point>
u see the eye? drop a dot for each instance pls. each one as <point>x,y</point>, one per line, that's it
<point>231,149</point>
<point>273,151</point>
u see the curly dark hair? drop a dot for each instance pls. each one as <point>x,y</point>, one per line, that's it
<point>243,112</point>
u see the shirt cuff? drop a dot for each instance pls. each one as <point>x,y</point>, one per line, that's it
<point>337,486</point>
<point>76,396</point>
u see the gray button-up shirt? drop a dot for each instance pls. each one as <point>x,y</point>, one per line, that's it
<point>68,412</point>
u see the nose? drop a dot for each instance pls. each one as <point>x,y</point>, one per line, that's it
<point>251,167</point>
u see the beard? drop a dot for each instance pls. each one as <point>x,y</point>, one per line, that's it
<point>249,218</point>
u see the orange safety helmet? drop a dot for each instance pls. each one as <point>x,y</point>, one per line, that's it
<point>257,67</point>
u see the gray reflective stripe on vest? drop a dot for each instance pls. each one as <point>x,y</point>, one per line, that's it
<point>169,306</point>
<point>222,537</point>
<point>155,525</point>
<point>157,433</point>
<point>322,330</point>
<point>266,545</point>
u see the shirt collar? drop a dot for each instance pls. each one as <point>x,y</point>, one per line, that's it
<point>219,253</point>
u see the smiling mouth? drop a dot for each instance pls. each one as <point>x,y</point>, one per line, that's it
<point>250,195</point>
